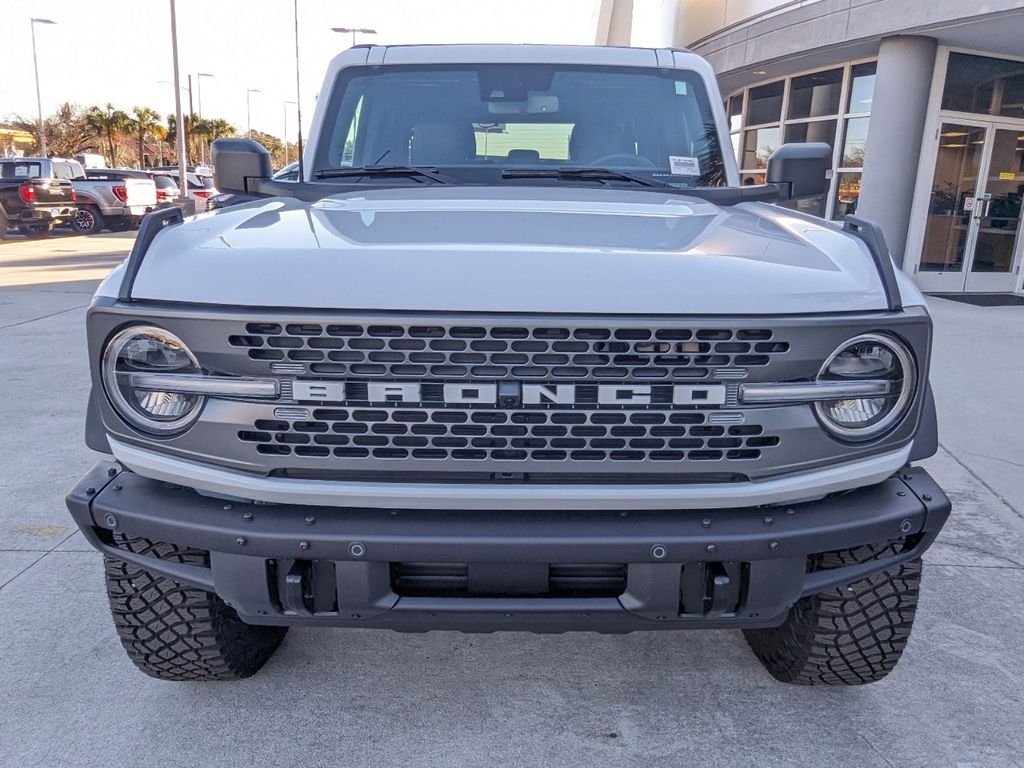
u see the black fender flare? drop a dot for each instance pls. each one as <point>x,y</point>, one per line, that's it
<point>95,434</point>
<point>926,441</point>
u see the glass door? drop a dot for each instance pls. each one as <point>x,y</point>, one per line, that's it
<point>996,252</point>
<point>971,238</point>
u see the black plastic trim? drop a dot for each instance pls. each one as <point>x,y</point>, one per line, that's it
<point>871,234</point>
<point>152,224</point>
<point>926,440</point>
<point>774,542</point>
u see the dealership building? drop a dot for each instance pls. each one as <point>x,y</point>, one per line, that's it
<point>922,102</point>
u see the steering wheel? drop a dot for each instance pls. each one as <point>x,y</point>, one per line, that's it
<point>624,158</point>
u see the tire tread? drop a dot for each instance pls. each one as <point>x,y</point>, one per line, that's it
<point>172,631</point>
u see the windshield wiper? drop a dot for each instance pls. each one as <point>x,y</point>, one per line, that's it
<point>385,170</point>
<point>595,174</point>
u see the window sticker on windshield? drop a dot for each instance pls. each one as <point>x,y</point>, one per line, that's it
<point>21,170</point>
<point>683,166</point>
<point>681,89</point>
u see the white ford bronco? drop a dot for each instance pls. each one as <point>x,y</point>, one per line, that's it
<point>515,352</point>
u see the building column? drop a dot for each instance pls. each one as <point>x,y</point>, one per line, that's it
<point>898,111</point>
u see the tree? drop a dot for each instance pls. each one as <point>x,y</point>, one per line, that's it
<point>145,122</point>
<point>67,132</point>
<point>107,122</point>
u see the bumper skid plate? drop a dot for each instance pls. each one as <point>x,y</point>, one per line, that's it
<point>487,570</point>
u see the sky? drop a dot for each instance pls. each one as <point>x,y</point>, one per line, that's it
<point>118,51</point>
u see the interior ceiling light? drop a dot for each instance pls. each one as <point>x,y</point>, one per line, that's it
<point>955,133</point>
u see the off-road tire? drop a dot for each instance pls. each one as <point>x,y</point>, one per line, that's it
<point>176,632</point>
<point>848,635</point>
<point>88,220</point>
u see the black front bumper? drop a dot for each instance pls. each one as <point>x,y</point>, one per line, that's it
<point>492,570</point>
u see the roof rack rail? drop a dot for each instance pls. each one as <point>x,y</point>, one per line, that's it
<point>152,224</point>
<point>871,234</point>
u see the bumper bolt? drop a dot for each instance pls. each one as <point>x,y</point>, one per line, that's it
<point>90,491</point>
<point>112,471</point>
<point>773,545</point>
<point>356,549</point>
<point>118,487</point>
<point>905,526</point>
<point>227,506</point>
<point>658,552</point>
<point>706,523</point>
<point>240,541</point>
<point>303,545</point>
<point>711,547</point>
<point>310,519</point>
<point>247,516</point>
<point>926,497</point>
<point>110,520</point>
<point>901,493</point>
<point>769,520</point>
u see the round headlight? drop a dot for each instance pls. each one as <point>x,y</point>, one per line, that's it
<point>871,357</point>
<point>148,349</point>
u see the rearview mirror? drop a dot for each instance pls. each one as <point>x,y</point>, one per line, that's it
<point>238,163</point>
<point>800,170</point>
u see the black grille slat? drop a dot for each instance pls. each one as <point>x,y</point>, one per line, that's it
<point>550,435</point>
<point>558,353</point>
<point>433,355</point>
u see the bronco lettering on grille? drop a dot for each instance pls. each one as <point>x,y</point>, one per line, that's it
<point>487,393</point>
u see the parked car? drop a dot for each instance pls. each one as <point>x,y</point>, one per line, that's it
<point>200,182</point>
<point>573,378</point>
<point>111,199</point>
<point>289,173</point>
<point>31,202</point>
<point>166,187</point>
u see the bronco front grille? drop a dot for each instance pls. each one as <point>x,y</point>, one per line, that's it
<point>477,351</point>
<point>478,435</point>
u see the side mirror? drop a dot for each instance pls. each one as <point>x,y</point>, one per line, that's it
<point>237,163</point>
<point>800,170</point>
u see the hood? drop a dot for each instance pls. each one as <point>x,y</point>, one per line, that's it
<point>513,249</point>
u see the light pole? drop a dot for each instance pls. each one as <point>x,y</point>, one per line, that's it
<point>248,112</point>
<point>180,124</point>
<point>39,97</point>
<point>187,88</point>
<point>199,99</point>
<point>354,30</point>
<point>286,129</point>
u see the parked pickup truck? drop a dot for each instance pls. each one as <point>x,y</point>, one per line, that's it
<point>111,199</point>
<point>515,351</point>
<point>30,203</point>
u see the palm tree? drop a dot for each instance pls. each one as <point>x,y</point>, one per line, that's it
<point>106,122</point>
<point>145,122</point>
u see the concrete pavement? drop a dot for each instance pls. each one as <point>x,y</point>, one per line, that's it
<point>375,698</point>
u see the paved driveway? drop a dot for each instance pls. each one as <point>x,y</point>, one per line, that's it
<point>374,698</point>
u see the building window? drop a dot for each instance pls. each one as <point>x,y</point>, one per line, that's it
<point>984,86</point>
<point>764,104</point>
<point>830,106</point>
<point>815,95</point>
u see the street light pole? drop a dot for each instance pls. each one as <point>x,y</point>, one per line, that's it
<point>286,129</point>
<point>180,125</point>
<point>354,30</point>
<point>248,112</point>
<point>39,97</point>
<point>199,98</point>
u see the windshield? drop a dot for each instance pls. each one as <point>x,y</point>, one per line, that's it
<point>658,123</point>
